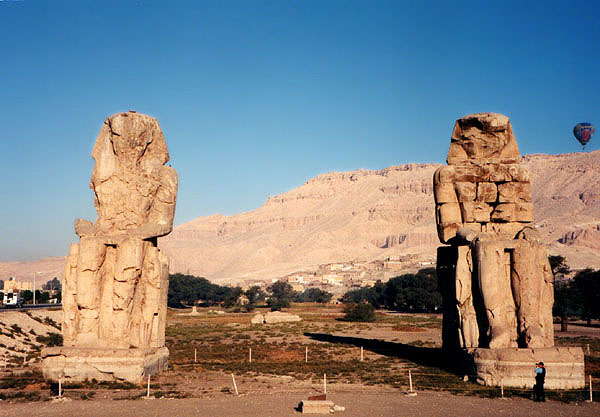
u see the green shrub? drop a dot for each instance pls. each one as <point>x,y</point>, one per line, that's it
<point>359,312</point>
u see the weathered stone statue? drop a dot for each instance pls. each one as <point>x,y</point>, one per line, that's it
<point>116,280</point>
<point>495,276</point>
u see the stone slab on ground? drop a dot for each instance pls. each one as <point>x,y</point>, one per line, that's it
<point>316,406</point>
<point>80,364</point>
<point>514,367</point>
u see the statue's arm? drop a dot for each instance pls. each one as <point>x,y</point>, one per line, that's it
<point>162,212</point>
<point>85,228</point>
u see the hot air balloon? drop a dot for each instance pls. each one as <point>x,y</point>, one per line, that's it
<point>583,132</point>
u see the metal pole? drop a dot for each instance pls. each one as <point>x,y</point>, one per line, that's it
<point>410,381</point>
<point>250,355</point>
<point>34,289</point>
<point>306,355</point>
<point>324,383</point>
<point>148,389</point>
<point>591,396</point>
<point>502,388</point>
<point>60,387</point>
<point>195,355</point>
<point>361,354</point>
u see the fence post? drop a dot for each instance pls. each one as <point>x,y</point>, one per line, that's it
<point>235,385</point>
<point>250,355</point>
<point>361,354</point>
<point>148,389</point>
<point>502,388</point>
<point>306,355</point>
<point>410,385</point>
<point>195,355</point>
<point>324,383</point>
<point>59,387</point>
<point>591,392</point>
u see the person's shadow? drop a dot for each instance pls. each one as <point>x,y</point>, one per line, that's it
<point>426,356</point>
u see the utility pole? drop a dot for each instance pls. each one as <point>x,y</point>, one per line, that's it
<point>34,275</point>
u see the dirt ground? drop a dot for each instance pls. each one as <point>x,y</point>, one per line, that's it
<point>278,377</point>
<point>363,401</point>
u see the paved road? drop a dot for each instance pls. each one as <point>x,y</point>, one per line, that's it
<point>29,307</point>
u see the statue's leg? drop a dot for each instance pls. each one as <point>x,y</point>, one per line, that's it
<point>527,290</point>
<point>494,283</point>
<point>464,298</point>
<point>548,299</point>
<point>70,322</point>
<point>151,311</point>
<point>91,258</point>
<point>534,294</point>
<point>127,272</point>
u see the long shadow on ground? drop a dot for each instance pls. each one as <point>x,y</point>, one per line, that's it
<point>420,355</point>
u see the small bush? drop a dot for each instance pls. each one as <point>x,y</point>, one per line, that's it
<point>16,328</point>
<point>52,339</point>
<point>359,312</point>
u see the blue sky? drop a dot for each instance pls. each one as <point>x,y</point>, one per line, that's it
<point>256,97</point>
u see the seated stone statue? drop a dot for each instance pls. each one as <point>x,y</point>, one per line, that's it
<point>116,279</point>
<point>495,276</point>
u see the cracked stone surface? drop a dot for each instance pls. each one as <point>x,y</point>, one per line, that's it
<point>116,279</point>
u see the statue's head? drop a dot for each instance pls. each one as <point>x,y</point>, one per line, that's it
<point>483,138</point>
<point>131,141</point>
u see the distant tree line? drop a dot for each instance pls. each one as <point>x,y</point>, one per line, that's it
<point>578,296</point>
<point>409,293</point>
<point>187,290</point>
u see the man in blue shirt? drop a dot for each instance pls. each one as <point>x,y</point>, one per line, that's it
<point>540,378</point>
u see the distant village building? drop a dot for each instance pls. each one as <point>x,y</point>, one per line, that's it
<point>332,279</point>
<point>12,285</point>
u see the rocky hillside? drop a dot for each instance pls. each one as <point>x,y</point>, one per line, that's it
<point>368,215</point>
<point>359,215</point>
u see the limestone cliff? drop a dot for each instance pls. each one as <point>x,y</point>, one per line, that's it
<point>368,215</point>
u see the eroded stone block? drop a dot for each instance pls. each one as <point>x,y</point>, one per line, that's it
<point>449,213</point>
<point>444,193</point>
<point>466,191</point>
<point>476,212</point>
<point>487,192</point>
<point>503,212</point>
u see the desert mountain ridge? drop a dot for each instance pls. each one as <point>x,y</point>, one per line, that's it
<point>363,216</point>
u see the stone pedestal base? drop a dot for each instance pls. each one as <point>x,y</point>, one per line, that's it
<point>514,367</point>
<point>80,364</point>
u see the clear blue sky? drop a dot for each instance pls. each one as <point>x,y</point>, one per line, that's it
<point>255,97</point>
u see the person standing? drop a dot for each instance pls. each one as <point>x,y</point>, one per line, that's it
<point>540,377</point>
